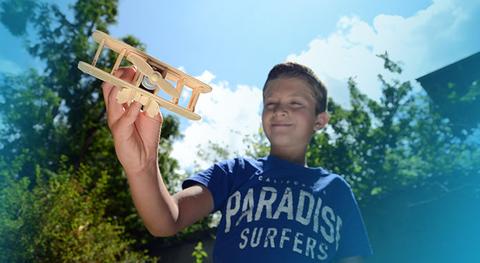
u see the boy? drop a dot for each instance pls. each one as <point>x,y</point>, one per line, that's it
<point>274,208</point>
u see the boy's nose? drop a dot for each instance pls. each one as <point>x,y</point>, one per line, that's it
<point>280,110</point>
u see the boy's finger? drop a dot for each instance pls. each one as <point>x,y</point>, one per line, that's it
<point>149,128</point>
<point>150,123</point>
<point>114,109</point>
<point>107,87</point>
<point>130,115</point>
<point>126,74</point>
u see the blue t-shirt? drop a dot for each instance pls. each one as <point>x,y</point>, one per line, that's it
<point>277,211</point>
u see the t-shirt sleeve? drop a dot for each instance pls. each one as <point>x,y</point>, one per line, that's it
<point>215,179</point>
<point>354,238</point>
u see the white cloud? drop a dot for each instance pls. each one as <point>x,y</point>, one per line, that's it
<point>182,68</point>
<point>206,77</point>
<point>228,115</point>
<point>9,67</point>
<point>430,39</point>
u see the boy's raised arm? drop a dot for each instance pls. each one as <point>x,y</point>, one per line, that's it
<point>136,138</point>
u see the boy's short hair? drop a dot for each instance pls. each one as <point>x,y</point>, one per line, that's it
<point>295,70</point>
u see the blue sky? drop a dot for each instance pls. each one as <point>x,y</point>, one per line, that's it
<point>232,45</point>
<point>240,40</point>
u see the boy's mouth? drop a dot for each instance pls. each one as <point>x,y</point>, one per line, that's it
<point>280,125</point>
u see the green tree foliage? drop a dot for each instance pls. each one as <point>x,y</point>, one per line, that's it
<point>199,253</point>
<point>394,144</point>
<point>58,112</point>
<point>67,106</point>
<point>364,136</point>
<point>63,218</point>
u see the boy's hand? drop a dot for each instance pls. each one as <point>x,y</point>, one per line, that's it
<point>136,136</point>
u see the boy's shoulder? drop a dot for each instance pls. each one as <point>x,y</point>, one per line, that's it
<point>272,164</point>
<point>239,163</point>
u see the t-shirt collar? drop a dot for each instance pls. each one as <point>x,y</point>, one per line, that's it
<point>274,162</point>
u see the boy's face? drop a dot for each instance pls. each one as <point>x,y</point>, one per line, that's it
<point>288,117</point>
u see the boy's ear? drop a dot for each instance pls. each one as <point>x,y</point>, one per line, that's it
<point>321,120</point>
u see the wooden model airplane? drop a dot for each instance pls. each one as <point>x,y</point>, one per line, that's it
<point>152,75</point>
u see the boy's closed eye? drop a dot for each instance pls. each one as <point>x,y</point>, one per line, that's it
<point>270,104</point>
<point>291,104</point>
<point>296,104</point>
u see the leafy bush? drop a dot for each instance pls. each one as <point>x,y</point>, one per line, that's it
<point>61,218</point>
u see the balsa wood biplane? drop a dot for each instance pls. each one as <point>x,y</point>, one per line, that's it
<point>152,76</point>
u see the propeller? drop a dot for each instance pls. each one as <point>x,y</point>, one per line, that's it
<point>153,76</point>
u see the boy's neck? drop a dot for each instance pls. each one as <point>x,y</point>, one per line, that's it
<point>290,155</point>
